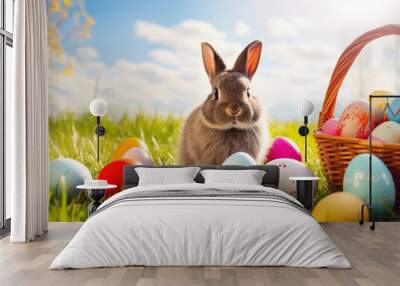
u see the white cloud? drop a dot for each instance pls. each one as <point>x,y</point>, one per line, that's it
<point>241,29</point>
<point>184,39</point>
<point>277,27</point>
<point>87,53</point>
<point>185,36</point>
<point>164,56</point>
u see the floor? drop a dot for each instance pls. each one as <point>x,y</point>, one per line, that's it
<point>375,256</point>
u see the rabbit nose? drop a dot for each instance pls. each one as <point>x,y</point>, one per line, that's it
<point>234,110</point>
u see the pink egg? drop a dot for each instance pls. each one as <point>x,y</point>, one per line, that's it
<point>283,147</point>
<point>354,120</point>
<point>330,127</point>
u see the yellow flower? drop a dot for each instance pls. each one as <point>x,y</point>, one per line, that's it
<point>68,70</point>
<point>90,21</point>
<point>67,3</point>
<point>55,6</point>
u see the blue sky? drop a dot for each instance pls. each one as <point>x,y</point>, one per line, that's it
<point>148,52</point>
<point>113,33</point>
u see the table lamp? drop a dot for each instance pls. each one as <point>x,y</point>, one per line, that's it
<point>98,108</point>
<point>305,108</point>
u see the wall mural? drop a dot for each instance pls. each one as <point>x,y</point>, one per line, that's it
<point>193,87</point>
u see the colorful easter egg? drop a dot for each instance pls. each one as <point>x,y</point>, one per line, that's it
<point>330,127</point>
<point>356,181</point>
<point>339,207</point>
<point>283,147</point>
<point>241,159</point>
<point>388,132</point>
<point>291,168</point>
<point>394,112</point>
<point>378,106</point>
<point>138,155</point>
<point>126,145</point>
<point>354,121</point>
<point>113,173</point>
<point>65,175</point>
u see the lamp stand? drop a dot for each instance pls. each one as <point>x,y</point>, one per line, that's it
<point>303,131</point>
<point>100,131</point>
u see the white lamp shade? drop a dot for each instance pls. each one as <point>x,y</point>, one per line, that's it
<point>305,108</point>
<point>98,107</point>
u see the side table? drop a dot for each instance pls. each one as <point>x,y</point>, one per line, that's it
<point>96,194</point>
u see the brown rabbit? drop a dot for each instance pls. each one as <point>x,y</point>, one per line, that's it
<point>230,120</point>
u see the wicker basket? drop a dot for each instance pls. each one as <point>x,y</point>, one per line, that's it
<point>336,152</point>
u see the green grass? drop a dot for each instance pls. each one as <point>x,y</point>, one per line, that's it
<point>72,136</point>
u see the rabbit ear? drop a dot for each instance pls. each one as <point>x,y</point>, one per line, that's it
<point>213,63</point>
<point>247,61</point>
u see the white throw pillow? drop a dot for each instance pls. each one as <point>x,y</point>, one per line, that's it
<point>166,176</point>
<point>248,177</point>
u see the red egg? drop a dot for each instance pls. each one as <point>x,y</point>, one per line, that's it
<point>354,121</point>
<point>113,173</point>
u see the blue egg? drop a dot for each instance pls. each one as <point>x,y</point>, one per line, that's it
<point>241,159</point>
<point>356,181</point>
<point>65,174</point>
<point>394,112</point>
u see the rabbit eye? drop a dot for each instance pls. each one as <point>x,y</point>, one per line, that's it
<point>248,92</point>
<point>216,95</point>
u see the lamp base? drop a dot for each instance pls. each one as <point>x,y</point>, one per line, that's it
<point>100,130</point>
<point>303,130</point>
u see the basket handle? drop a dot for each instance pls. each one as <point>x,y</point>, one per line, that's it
<point>344,63</point>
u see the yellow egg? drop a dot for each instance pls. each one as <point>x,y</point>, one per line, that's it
<point>339,206</point>
<point>380,102</point>
<point>126,145</point>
